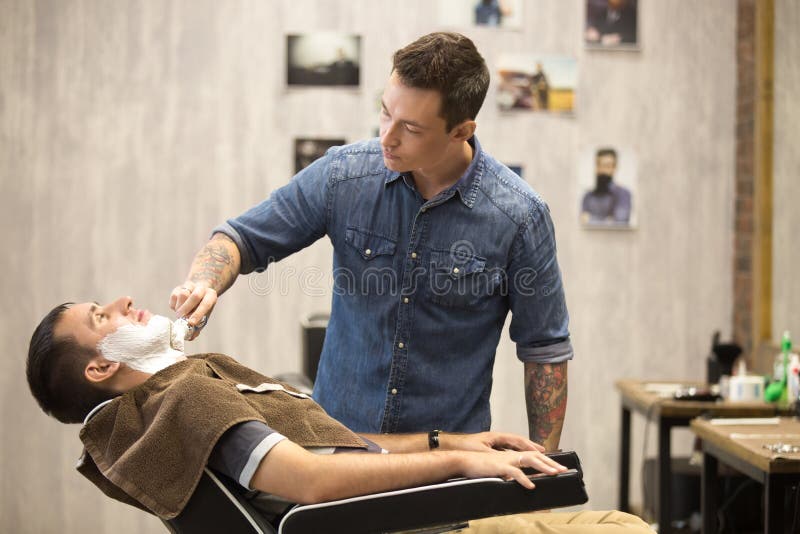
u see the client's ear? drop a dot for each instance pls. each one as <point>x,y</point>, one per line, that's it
<point>98,369</point>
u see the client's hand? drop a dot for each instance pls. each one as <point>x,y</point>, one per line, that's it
<point>509,464</point>
<point>193,301</point>
<point>487,441</point>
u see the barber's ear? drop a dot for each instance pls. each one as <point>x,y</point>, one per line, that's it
<point>463,131</point>
<point>99,369</point>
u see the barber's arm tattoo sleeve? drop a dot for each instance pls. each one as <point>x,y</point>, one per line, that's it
<point>546,400</point>
<point>217,264</point>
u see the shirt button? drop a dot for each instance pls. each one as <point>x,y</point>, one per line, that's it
<point>394,391</point>
<point>400,345</point>
<point>413,255</point>
<point>455,269</point>
<point>405,300</point>
<point>368,252</point>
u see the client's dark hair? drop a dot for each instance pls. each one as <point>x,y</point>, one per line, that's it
<point>55,372</point>
<point>450,64</point>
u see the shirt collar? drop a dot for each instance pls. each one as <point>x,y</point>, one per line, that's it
<point>467,185</point>
<point>392,176</point>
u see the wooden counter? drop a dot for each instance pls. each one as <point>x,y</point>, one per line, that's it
<point>742,447</point>
<point>655,400</point>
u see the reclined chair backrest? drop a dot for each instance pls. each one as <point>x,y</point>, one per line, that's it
<point>218,505</point>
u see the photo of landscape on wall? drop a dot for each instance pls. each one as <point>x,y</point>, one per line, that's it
<point>537,83</point>
<point>323,59</point>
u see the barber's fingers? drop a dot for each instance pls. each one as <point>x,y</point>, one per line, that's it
<point>180,294</point>
<point>193,301</point>
<point>200,316</point>
<point>203,310</point>
<point>189,301</point>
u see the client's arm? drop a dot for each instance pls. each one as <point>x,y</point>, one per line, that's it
<point>483,442</point>
<point>291,472</point>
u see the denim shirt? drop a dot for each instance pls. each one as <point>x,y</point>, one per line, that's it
<point>421,288</point>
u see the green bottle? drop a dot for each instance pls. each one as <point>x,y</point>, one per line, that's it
<point>786,347</point>
<point>778,391</point>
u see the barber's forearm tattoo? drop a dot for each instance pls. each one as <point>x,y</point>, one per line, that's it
<point>215,265</point>
<point>546,399</point>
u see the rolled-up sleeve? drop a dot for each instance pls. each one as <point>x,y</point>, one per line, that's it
<point>292,218</point>
<point>539,317</point>
<point>239,451</point>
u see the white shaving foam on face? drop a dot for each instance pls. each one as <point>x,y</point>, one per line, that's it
<point>148,348</point>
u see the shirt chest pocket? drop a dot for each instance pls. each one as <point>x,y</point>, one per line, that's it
<point>461,282</point>
<point>369,269</point>
<point>369,246</point>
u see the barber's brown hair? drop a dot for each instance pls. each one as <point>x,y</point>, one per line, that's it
<point>450,64</point>
<point>55,372</point>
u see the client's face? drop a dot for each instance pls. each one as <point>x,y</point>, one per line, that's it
<point>120,333</point>
<point>89,322</point>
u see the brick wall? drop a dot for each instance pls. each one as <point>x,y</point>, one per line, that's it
<point>745,174</point>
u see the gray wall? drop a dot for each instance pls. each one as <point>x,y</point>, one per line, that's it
<point>786,172</point>
<point>129,129</point>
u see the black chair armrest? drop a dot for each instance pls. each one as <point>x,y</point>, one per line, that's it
<point>447,503</point>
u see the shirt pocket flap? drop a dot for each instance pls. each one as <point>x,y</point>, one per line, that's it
<point>457,267</point>
<point>370,245</point>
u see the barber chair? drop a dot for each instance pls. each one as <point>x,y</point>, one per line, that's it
<point>220,505</point>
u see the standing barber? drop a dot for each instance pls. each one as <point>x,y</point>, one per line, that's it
<point>434,242</point>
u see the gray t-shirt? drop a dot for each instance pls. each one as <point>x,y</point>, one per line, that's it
<point>240,450</point>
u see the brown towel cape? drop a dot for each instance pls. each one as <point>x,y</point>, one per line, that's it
<point>153,442</point>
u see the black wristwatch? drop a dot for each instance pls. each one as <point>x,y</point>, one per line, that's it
<point>433,439</point>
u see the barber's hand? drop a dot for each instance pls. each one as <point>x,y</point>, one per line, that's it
<point>487,441</point>
<point>509,464</point>
<point>193,301</point>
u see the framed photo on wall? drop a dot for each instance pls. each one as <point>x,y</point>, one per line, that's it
<point>607,181</point>
<point>534,82</point>
<point>501,14</point>
<point>308,150</point>
<point>323,59</point>
<point>612,24</point>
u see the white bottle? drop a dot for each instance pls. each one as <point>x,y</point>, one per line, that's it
<point>793,380</point>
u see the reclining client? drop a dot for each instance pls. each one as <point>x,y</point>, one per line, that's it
<point>153,419</point>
